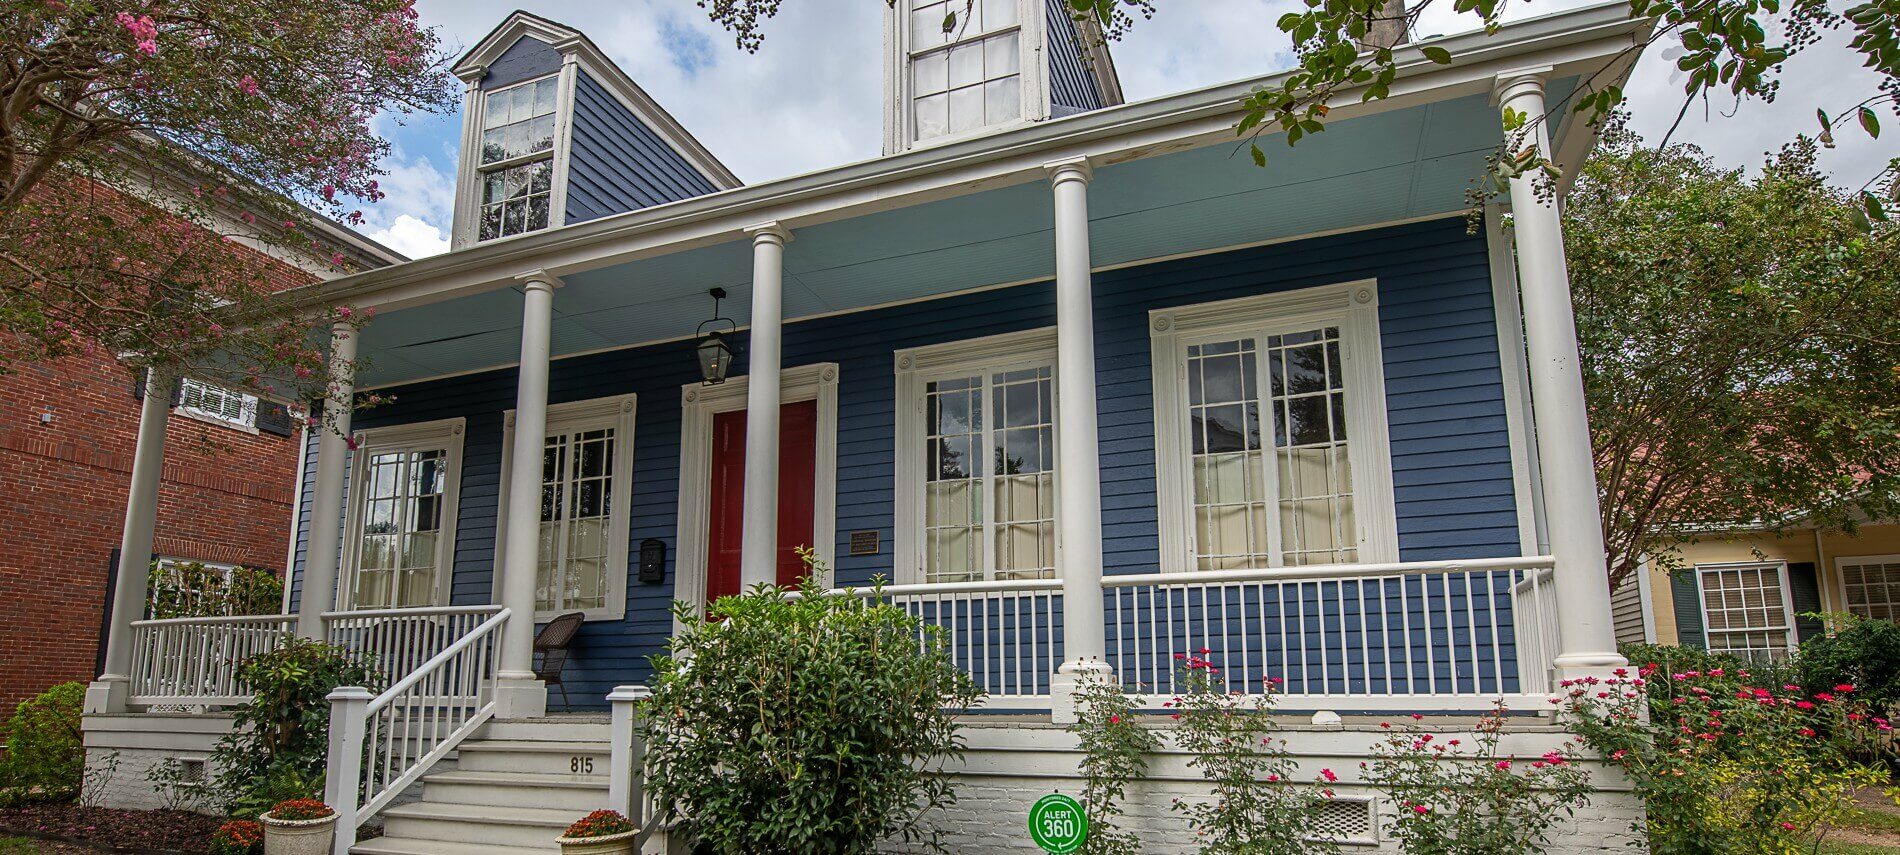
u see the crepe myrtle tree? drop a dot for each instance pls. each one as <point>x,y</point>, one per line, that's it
<point>1729,51</point>
<point>150,151</point>
<point>1740,346</point>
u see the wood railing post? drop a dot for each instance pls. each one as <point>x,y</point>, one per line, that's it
<point>627,756</point>
<point>343,772</point>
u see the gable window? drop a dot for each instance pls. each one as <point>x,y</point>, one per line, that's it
<point>403,497</point>
<point>586,490</point>
<point>970,76</point>
<point>517,157</point>
<point>1746,609</point>
<point>977,488</point>
<point>202,400</point>
<point>1871,584</point>
<point>1270,431</point>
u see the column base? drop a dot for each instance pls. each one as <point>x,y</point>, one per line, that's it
<point>107,696</point>
<point>520,697</point>
<point>1069,678</point>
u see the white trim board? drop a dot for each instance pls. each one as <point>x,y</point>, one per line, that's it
<point>619,413</point>
<point>446,434</point>
<point>1351,306</point>
<point>698,404</point>
<point>1527,477</point>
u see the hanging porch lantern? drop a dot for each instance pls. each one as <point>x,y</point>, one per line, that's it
<point>715,352</point>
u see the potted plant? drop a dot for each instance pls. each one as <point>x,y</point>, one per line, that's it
<point>299,827</point>
<point>238,837</point>
<point>603,832</point>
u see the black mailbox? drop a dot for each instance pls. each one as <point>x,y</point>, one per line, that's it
<point>652,561</point>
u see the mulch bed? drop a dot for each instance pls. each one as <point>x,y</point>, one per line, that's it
<point>113,830</point>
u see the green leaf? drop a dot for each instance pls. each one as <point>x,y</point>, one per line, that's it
<point>1436,54</point>
<point>1870,122</point>
<point>1875,210</point>
<point>1259,157</point>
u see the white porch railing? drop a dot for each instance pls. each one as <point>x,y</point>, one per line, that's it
<point>395,642</point>
<point>1415,635</point>
<point>193,661</point>
<point>381,744</point>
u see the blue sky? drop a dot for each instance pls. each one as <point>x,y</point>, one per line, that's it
<point>812,97</point>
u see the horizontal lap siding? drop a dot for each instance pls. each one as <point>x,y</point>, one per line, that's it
<point>1072,86</point>
<point>1450,460</point>
<point>616,163</point>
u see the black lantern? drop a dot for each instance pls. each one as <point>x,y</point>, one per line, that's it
<point>715,353</point>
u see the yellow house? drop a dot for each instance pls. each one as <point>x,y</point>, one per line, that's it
<point>1745,592</point>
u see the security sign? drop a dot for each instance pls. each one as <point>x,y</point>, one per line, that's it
<point>1057,824</point>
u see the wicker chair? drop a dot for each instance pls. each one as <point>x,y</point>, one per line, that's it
<point>550,647</point>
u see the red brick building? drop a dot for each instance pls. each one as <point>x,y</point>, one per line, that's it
<point>67,433</point>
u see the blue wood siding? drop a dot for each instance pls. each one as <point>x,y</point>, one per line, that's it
<point>526,59</point>
<point>1072,86</point>
<point>1451,462</point>
<point>616,163</point>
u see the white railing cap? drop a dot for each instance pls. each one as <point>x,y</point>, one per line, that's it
<point>349,693</point>
<point>229,620</point>
<point>629,693</point>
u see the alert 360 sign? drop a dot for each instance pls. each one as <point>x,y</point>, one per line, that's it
<point>1057,824</point>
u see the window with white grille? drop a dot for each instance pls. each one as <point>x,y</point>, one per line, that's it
<point>585,494</point>
<point>403,495</point>
<point>1871,584</point>
<point>965,65</point>
<point>1746,609</point>
<point>201,399</point>
<point>517,158</point>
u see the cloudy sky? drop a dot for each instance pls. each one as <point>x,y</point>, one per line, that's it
<point>811,98</point>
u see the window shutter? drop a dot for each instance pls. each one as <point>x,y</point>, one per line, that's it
<point>105,614</point>
<point>273,418</point>
<point>1685,590</point>
<point>1804,590</point>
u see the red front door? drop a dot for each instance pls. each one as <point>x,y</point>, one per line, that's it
<point>797,466</point>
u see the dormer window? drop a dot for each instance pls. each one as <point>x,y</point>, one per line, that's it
<point>965,74</point>
<point>517,150</point>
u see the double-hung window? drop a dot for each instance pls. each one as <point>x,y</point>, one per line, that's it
<point>1747,610</point>
<point>977,477</point>
<point>1871,584</point>
<point>1270,430</point>
<point>403,494</point>
<point>586,492</point>
<point>517,158</point>
<point>969,75</point>
<point>215,403</point>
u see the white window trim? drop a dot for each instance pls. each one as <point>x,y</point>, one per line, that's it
<point>1032,25</point>
<point>246,423</point>
<point>468,190</point>
<point>617,412</point>
<point>916,367</point>
<point>1787,599</point>
<point>444,433</point>
<point>1351,306</point>
<point>1840,574</point>
<point>698,404</point>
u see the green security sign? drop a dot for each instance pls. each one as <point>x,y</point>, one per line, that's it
<point>1057,824</point>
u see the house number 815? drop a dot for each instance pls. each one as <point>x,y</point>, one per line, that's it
<point>581,765</point>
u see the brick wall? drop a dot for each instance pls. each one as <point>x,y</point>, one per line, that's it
<point>226,498</point>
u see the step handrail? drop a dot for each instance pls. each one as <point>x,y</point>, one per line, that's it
<point>381,744</point>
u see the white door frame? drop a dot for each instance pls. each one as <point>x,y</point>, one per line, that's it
<point>698,404</point>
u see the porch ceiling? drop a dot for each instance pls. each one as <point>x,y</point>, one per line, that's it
<point>1393,165</point>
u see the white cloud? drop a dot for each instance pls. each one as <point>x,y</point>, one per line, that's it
<point>412,237</point>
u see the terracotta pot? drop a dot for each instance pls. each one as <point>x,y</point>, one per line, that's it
<point>612,844</point>
<point>298,836</point>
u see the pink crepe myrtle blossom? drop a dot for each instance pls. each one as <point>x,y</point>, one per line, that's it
<point>248,85</point>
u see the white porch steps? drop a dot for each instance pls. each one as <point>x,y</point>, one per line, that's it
<point>513,790</point>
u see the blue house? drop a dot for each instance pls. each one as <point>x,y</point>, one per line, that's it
<point>1069,376</point>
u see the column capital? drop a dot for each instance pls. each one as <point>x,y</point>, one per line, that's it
<point>1070,169</point>
<point>1509,84</point>
<point>538,280</point>
<point>772,232</point>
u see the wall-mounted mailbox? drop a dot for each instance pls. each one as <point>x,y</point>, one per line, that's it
<point>652,561</point>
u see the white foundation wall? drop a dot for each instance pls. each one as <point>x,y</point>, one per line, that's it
<point>122,750</point>
<point>1008,766</point>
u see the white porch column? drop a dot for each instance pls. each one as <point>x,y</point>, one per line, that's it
<point>320,566</point>
<point>1587,639</point>
<point>758,549</point>
<point>108,694</point>
<point>1078,461</point>
<point>519,694</point>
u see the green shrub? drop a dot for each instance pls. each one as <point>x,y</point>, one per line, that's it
<point>1455,799</point>
<point>1857,651</point>
<point>193,590</point>
<point>1114,751</point>
<point>46,758</point>
<point>1726,768</point>
<point>799,724</point>
<point>278,745</point>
